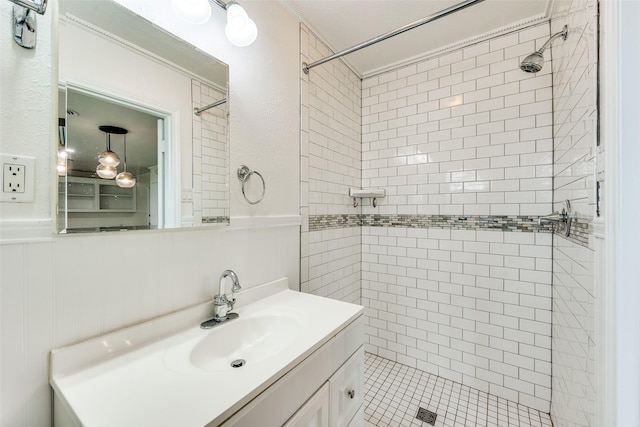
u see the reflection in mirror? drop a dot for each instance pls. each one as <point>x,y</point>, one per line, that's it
<point>91,195</point>
<point>118,70</point>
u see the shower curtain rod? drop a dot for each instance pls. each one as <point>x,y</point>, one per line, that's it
<point>306,67</point>
<point>198,111</point>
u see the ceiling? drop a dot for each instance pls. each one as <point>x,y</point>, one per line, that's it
<point>345,23</point>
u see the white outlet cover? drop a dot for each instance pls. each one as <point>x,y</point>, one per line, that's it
<point>28,164</point>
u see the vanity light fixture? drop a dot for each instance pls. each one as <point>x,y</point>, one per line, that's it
<point>240,29</point>
<point>193,11</point>
<point>108,160</point>
<point>125,179</point>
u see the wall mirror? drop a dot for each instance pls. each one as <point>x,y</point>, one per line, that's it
<point>131,90</point>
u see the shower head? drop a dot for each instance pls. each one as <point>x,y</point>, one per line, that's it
<point>534,62</point>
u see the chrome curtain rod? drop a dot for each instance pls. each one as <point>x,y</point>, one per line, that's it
<point>198,111</point>
<point>306,67</point>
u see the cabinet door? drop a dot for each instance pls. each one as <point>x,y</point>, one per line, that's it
<point>358,418</point>
<point>314,413</point>
<point>347,390</point>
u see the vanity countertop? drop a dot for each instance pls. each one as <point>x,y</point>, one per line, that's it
<point>142,375</point>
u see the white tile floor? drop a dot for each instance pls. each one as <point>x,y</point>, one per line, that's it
<point>393,393</point>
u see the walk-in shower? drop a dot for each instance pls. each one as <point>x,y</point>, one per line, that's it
<point>534,62</point>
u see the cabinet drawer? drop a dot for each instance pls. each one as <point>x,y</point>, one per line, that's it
<point>314,413</point>
<point>347,389</point>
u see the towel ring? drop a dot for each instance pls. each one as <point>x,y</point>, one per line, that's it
<point>244,173</point>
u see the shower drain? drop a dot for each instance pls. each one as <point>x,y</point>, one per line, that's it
<point>426,416</point>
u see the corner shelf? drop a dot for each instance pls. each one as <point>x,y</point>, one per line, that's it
<point>366,193</point>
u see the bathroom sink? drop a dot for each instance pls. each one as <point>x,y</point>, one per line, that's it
<point>168,371</point>
<point>251,339</point>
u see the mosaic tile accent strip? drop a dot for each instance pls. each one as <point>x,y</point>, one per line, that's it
<point>394,392</point>
<point>456,222</point>
<point>215,220</point>
<point>328,222</point>
<point>579,233</point>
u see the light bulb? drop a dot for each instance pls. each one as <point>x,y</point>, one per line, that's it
<point>109,158</point>
<point>240,29</point>
<point>192,11</point>
<point>125,180</point>
<point>106,172</point>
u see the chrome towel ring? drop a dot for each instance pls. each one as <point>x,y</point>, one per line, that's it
<point>244,173</point>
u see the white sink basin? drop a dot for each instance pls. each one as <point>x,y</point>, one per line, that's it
<point>168,371</point>
<point>252,339</point>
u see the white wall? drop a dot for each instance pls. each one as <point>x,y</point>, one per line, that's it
<point>462,144</point>
<point>575,291</point>
<point>51,293</point>
<point>330,165</point>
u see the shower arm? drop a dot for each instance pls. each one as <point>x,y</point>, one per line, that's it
<point>563,34</point>
<point>306,67</point>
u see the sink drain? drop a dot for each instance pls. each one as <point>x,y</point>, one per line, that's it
<point>238,363</point>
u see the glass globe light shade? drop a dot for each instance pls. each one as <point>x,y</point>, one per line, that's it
<point>192,11</point>
<point>125,180</point>
<point>109,158</point>
<point>240,29</point>
<point>106,172</point>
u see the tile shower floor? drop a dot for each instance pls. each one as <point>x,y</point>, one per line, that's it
<point>393,393</point>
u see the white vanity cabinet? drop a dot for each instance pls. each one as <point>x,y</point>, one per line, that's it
<point>318,391</point>
<point>314,413</point>
<point>347,390</point>
<point>338,401</point>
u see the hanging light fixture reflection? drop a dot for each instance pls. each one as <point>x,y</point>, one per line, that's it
<point>125,179</point>
<point>240,29</point>
<point>108,160</point>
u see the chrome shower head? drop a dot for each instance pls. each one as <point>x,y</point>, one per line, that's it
<point>534,62</point>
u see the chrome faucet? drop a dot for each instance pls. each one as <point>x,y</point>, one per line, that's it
<point>221,304</point>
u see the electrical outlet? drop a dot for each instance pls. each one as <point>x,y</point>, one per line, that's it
<point>13,178</point>
<point>17,178</point>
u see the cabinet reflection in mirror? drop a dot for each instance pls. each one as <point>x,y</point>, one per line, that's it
<point>129,90</point>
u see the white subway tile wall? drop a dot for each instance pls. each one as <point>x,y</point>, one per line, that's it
<point>470,306</point>
<point>330,165</point>
<point>210,156</point>
<point>466,133</point>
<point>575,66</point>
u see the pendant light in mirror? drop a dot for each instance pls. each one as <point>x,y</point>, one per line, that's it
<point>125,179</point>
<point>108,160</point>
